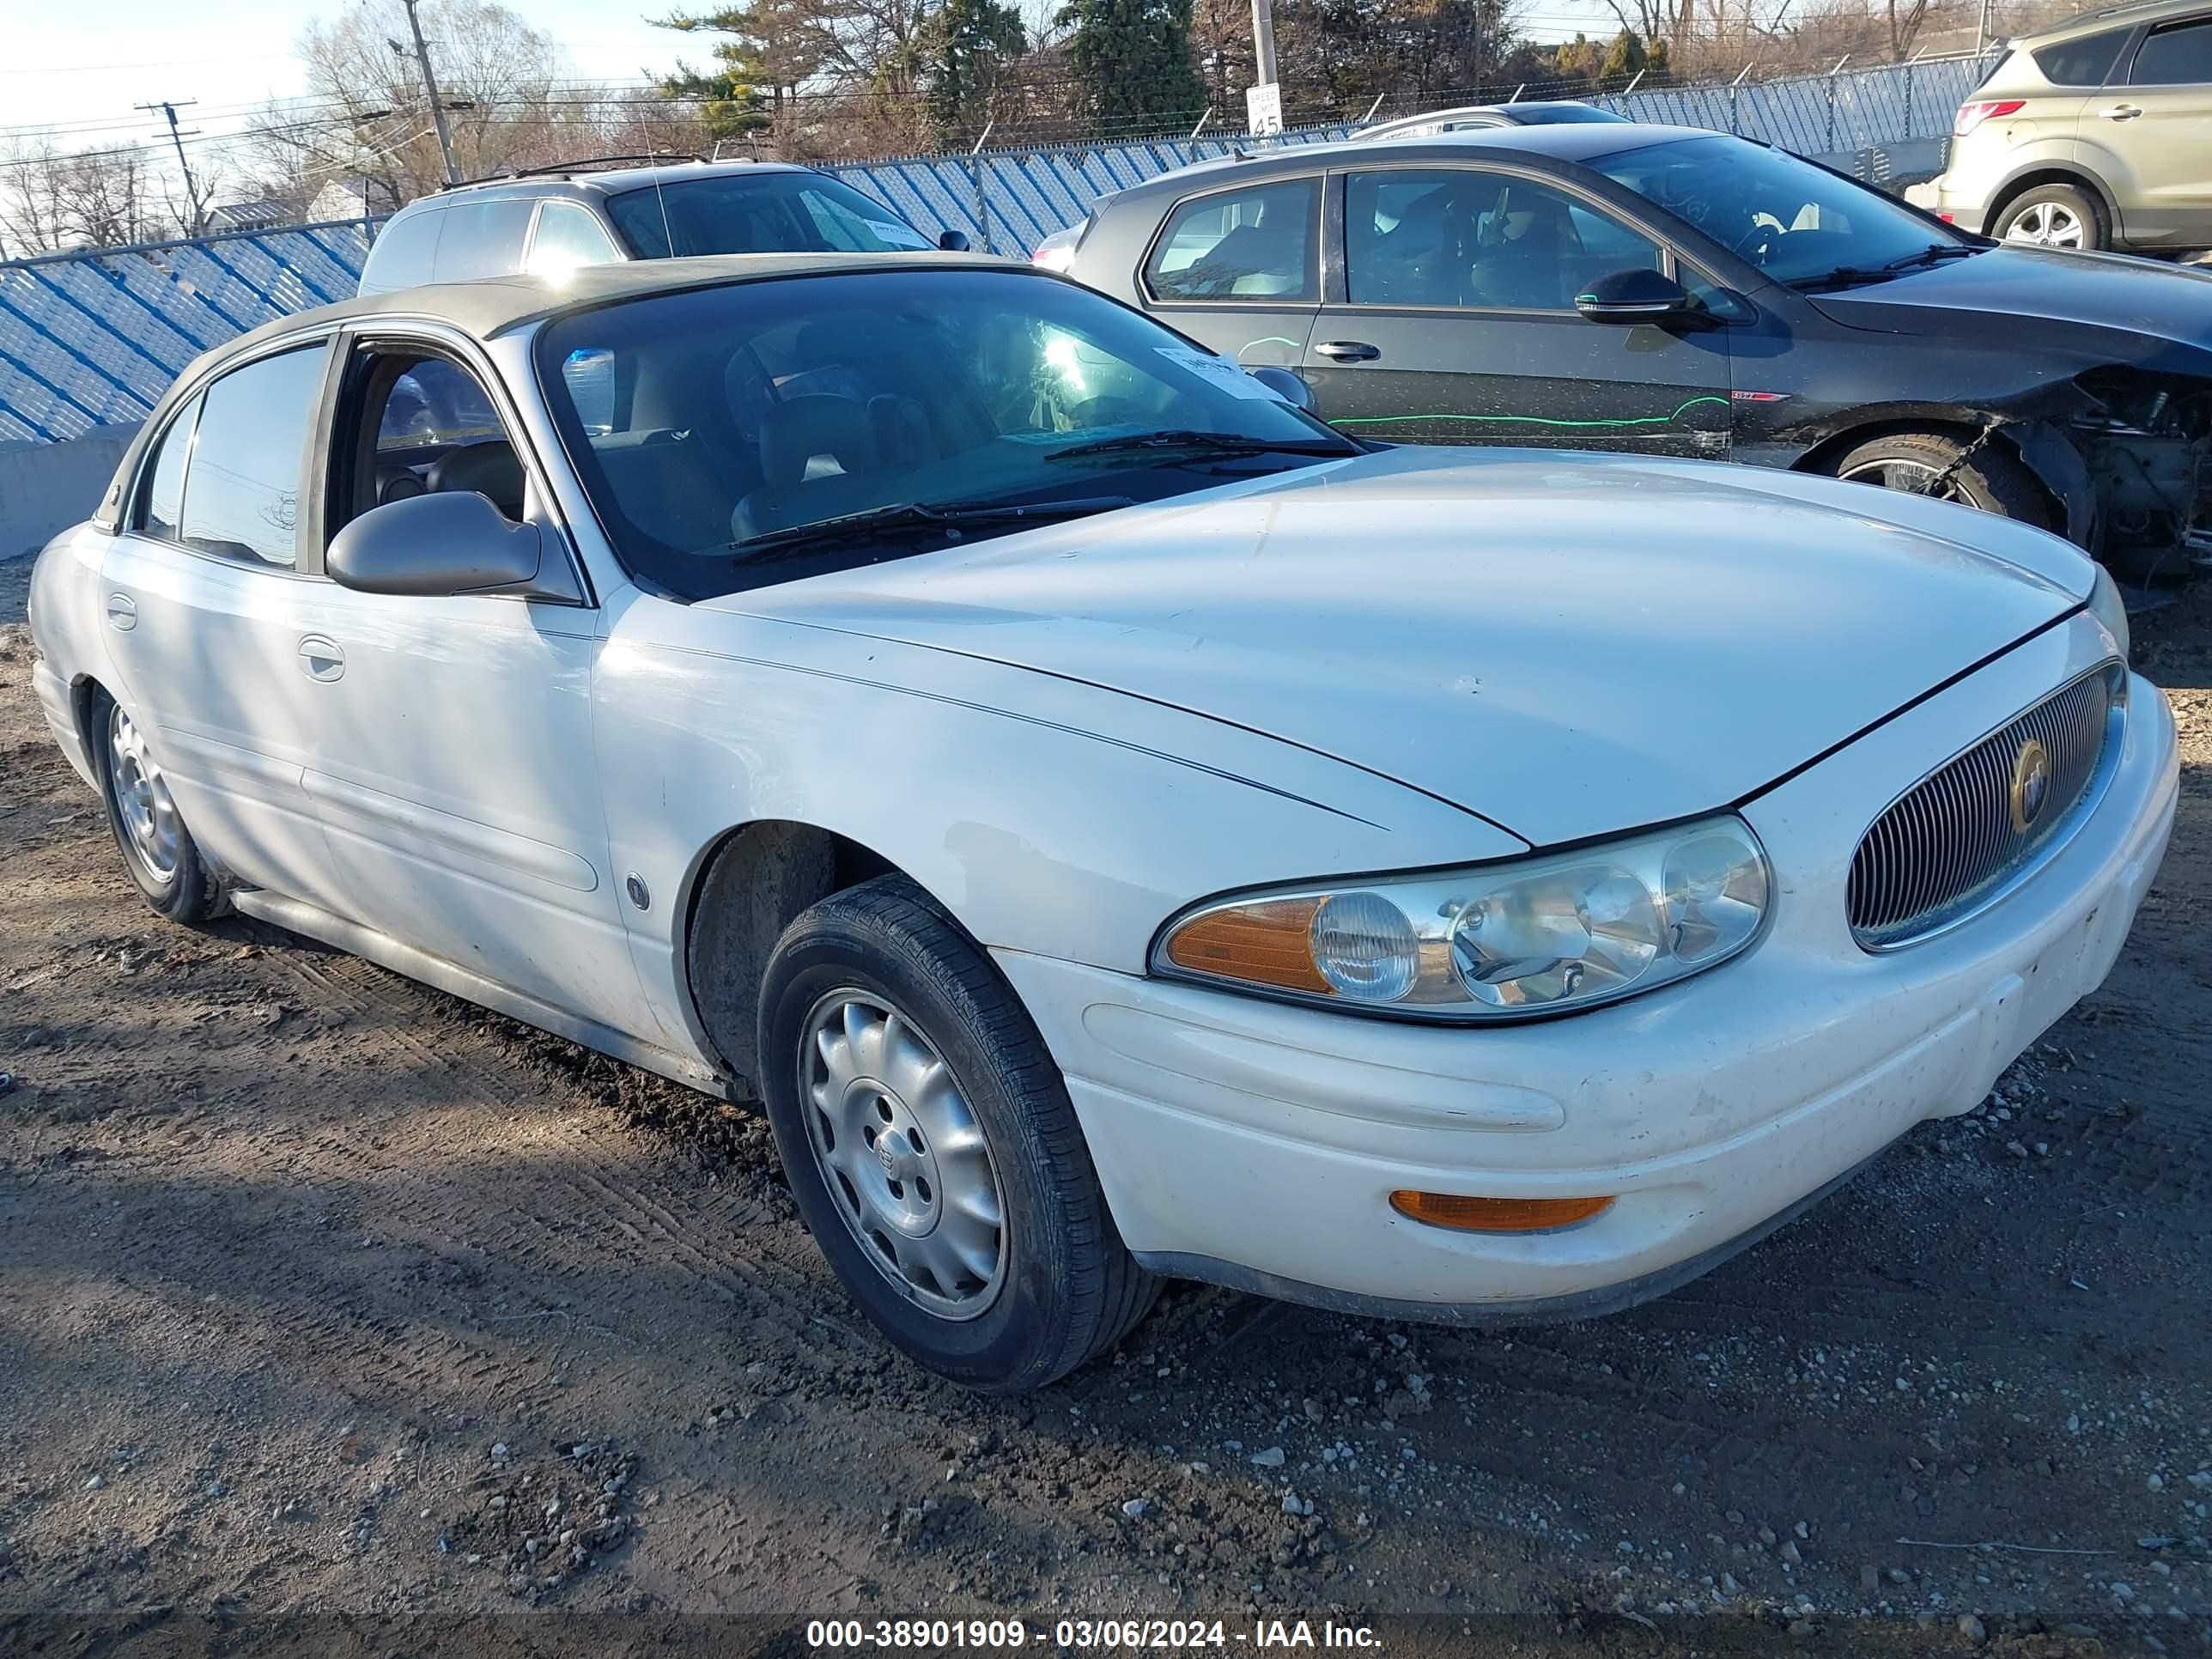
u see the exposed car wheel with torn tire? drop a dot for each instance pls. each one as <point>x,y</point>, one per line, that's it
<point>1976,473</point>
<point>2053,216</point>
<point>158,851</point>
<point>932,1148</point>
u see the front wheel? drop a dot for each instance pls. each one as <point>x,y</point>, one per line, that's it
<point>2053,216</point>
<point>1989,476</point>
<point>932,1148</point>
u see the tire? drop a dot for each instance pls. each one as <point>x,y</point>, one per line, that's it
<point>895,1165</point>
<point>1992,477</point>
<point>2054,215</point>
<point>159,853</point>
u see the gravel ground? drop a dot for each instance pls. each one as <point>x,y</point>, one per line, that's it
<point>325,1297</point>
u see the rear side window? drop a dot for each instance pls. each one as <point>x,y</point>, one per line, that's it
<point>163,507</point>
<point>2083,62</point>
<point>482,239</point>
<point>568,237</point>
<point>1254,244</point>
<point>242,483</point>
<point>2177,57</point>
<point>402,255</point>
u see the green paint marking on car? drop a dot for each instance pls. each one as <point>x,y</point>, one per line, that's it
<point>1532,420</point>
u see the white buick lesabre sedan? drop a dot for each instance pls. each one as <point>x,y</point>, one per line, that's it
<point>1118,826</point>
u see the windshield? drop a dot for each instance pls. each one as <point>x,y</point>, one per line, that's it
<point>711,425</point>
<point>757,213</point>
<point>1794,221</point>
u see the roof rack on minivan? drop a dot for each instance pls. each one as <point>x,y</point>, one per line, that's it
<point>585,164</point>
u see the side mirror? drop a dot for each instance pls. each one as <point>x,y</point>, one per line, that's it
<point>1285,385</point>
<point>1635,297</point>
<point>429,546</point>
<point>952,241</point>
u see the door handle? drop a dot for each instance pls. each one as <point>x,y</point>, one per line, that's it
<point>1348,351</point>
<point>321,658</point>
<point>122,612</point>
<point>2121,113</point>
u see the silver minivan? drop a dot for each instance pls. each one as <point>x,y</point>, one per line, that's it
<point>587,213</point>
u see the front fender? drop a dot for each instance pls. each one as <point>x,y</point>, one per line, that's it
<point>1047,815</point>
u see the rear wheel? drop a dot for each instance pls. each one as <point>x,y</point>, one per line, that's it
<point>932,1148</point>
<point>2053,216</point>
<point>1988,476</point>
<point>158,850</point>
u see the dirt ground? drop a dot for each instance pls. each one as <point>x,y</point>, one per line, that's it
<point>319,1292</point>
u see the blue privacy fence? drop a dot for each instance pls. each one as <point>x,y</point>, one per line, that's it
<point>93,339</point>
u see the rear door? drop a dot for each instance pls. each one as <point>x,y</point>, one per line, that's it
<point>1239,268</point>
<point>2163,127</point>
<point>1454,322</point>
<point>206,588</point>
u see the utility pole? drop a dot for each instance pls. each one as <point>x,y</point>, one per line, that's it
<point>1263,40</point>
<point>177,137</point>
<point>430,86</point>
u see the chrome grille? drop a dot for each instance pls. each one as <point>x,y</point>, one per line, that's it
<point>1953,841</point>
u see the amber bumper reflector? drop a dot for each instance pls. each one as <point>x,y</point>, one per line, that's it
<point>1494,1215</point>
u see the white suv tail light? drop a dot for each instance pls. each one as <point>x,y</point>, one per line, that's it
<point>1987,109</point>
<point>1057,251</point>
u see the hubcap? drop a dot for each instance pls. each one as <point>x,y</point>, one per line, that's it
<point>902,1154</point>
<point>2046,224</point>
<point>150,828</point>
<point>1916,477</point>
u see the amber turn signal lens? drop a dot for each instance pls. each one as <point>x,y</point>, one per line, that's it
<point>1495,1215</point>
<point>1267,943</point>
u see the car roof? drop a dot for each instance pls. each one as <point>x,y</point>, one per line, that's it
<point>1506,111</point>
<point>2111,17</point>
<point>498,305</point>
<point>1571,140</point>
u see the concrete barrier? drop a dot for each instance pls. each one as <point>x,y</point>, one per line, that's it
<point>46,488</point>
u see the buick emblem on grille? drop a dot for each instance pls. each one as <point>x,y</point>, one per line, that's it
<point>2031,785</point>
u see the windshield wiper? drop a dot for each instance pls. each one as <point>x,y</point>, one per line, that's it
<point>935,515</point>
<point>1852,276</point>
<point>1218,443</point>
<point>1931,254</point>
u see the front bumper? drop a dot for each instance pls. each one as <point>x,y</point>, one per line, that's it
<point>1257,1144</point>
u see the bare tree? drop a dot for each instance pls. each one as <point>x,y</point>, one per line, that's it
<point>52,199</point>
<point>499,80</point>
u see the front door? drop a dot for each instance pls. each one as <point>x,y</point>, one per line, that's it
<point>1456,324</point>
<point>204,589</point>
<point>456,774</point>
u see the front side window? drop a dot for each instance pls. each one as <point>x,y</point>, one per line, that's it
<point>1459,237</point>
<point>2082,63</point>
<point>2177,57</point>
<point>754,411</point>
<point>242,483</point>
<point>1252,244</point>
<point>162,509</point>
<point>436,429</point>
<point>757,213</point>
<point>567,238</point>
<point>1798,223</point>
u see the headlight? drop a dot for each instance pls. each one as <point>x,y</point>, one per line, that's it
<point>2105,604</point>
<point>1503,941</point>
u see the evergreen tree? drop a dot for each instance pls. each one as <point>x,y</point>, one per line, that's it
<point>1132,60</point>
<point>967,47</point>
<point>771,45</point>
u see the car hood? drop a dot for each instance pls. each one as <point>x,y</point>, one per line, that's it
<point>2004,293</point>
<point>1567,645</point>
